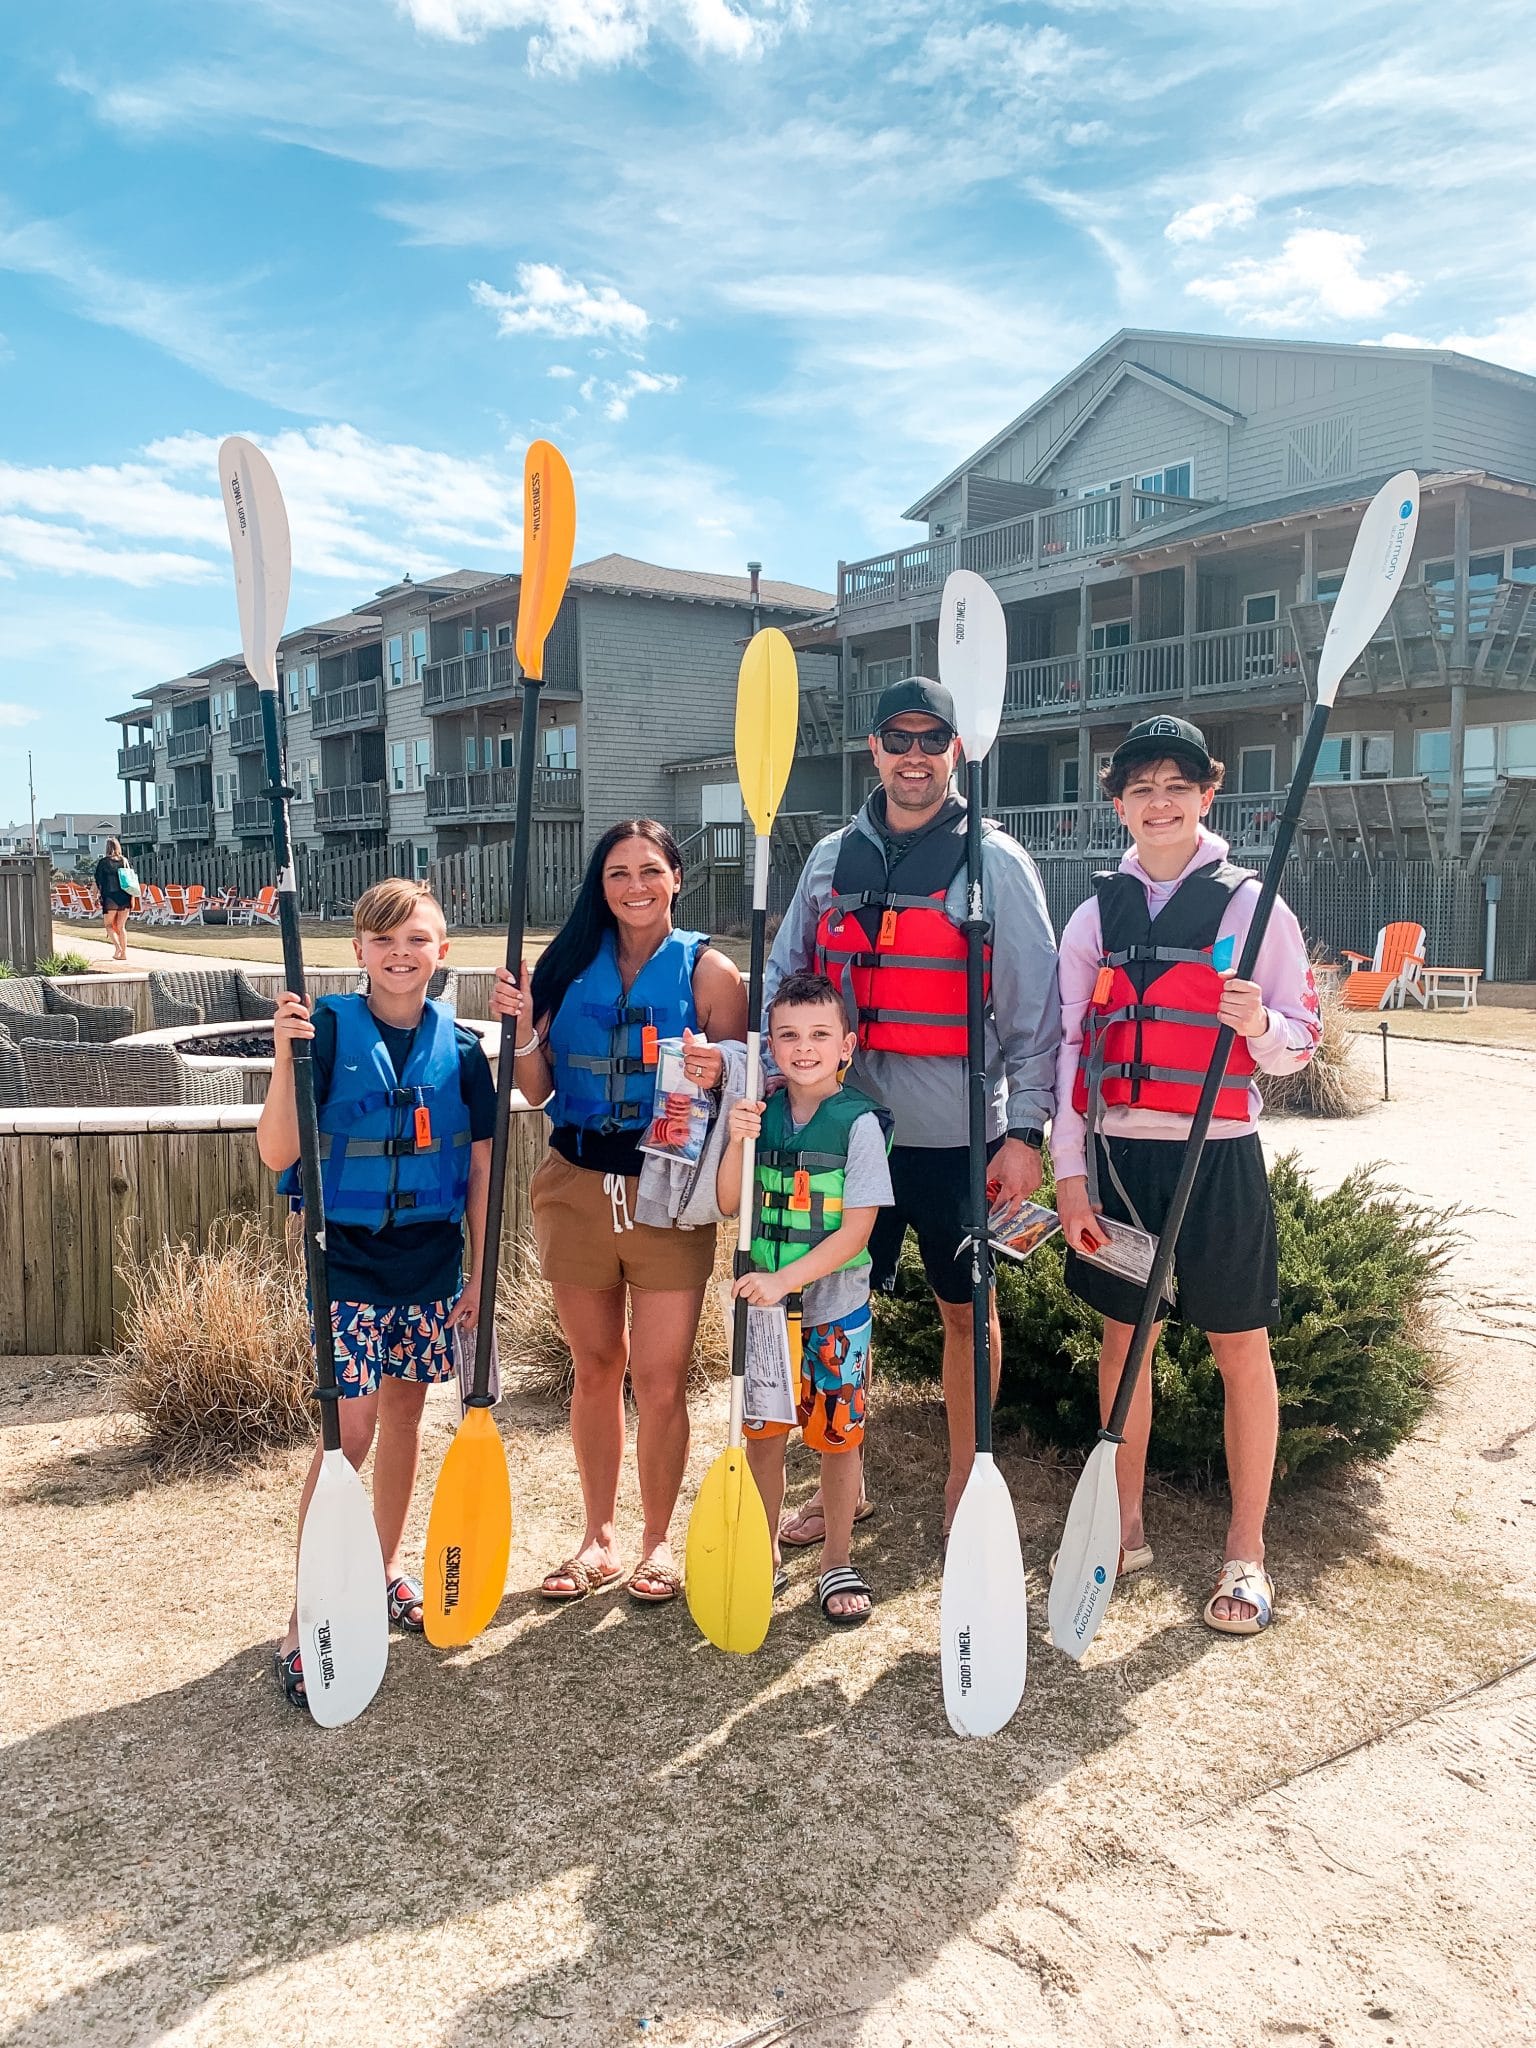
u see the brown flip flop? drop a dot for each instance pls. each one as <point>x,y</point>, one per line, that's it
<point>584,1580</point>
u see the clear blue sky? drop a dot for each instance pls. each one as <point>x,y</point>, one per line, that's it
<point>765,269</point>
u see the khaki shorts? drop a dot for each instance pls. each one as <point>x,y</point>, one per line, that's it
<point>573,1217</point>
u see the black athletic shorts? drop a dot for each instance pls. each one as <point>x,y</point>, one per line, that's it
<point>1227,1263</point>
<point>932,1194</point>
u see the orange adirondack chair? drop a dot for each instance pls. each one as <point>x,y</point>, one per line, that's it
<point>1381,982</point>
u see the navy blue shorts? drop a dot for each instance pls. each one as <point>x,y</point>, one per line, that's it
<point>931,1187</point>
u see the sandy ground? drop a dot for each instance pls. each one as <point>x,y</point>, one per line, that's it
<point>590,1828</point>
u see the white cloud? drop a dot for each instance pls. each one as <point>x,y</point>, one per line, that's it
<point>569,36</point>
<point>1199,223</point>
<point>1005,60</point>
<point>1510,340</point>
<point>1316,276</point>
<point>559,370</point>
<point>13,716</point>
<point>60,550</point>
<point>549,302</point>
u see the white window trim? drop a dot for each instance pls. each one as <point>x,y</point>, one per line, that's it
<point>1259,623</point>
<point>1162,469</point>
<point>1273,752</point>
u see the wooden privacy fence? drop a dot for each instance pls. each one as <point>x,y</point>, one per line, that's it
<point>26,914</point>
<point>475,886</point>
<point>1344,904</point>
<point>86,1196</point>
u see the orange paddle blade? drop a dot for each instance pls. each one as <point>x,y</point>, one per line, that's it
<point>469,1534</point>
<point>549,541</point>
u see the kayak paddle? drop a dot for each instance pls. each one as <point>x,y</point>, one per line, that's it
<point>1089,1556</point>
<point>983,1615</point>
<point>343,1607</point>
<point>469,1530</point>
<point>729,1553</point>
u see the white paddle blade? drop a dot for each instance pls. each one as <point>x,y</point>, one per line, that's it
<point>1378,562</point>
<point>973,658</point>
<point>258,540</point>
<point>1089,1556</point>
<point>983,1611</point>
<point>343,1609</point>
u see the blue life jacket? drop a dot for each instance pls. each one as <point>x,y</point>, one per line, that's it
<point>375,1168</point>
<point>603,1042</point>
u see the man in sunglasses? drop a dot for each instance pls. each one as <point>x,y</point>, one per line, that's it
<point>878,910</point>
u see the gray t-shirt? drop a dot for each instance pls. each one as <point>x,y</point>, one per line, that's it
<point>866,1185</point>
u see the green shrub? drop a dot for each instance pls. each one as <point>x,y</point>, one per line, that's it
<point>1354,1353</point>
<point>63,963</point>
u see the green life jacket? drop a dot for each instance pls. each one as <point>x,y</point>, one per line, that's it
<point>800,1177</point>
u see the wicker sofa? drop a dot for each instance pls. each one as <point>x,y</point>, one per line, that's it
<point>30,1001</point>
<point>13,1075</point>
<point>207,995</point>
<point>122,1077</point>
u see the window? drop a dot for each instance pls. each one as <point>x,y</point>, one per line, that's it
<point>314,775</point>
<point>472,754</point>
<point>879,675</point>
<point>1522,565</point>
<point>229,706</point>
<point>720,803</point>
<point>1068,793</point>
<point>293,689</point>
<point>423,861</point>
<point>1255,771</point>
<point>1173,480</point>
<point>1432,756</point>
<point>1355,757</point>
<point>506,751</point>
<point>423,762</point>
<point>1520,749</point>
<point>312,678</point>
<point>1113,633</point>
<point>476,639</point>
<point>397,765</point>
<point>504,636</point>
<point>394,660</point>
<point>1328,585</point>
<point>218,793</point>
<point>1261,608</point>
<point>560,746</point>
<point>418,656</point>
<point>1483,572</point>
<point>159,799</point>
<point>218,711</point>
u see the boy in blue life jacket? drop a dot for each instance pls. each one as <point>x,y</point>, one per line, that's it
<point>822,1176</point>
<point>406,1109</point>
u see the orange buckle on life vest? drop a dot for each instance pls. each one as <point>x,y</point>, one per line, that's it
<point>1104,982</point>
<point>648,1044</point>
<point>423,1125</point>
<point>887,929</point>
<point>800,1197</point>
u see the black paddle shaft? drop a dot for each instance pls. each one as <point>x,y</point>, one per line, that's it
<point>976,1064</point>
<point>278,794</point>
<point>496,1192</point>
<point>1194,1145</point>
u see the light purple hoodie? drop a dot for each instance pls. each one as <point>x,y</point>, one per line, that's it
<point>1282,973</point>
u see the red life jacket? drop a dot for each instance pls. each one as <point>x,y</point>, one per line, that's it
<point>890,945</point>
<point>1151,1026</point>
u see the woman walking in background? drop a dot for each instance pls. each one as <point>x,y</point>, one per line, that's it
<point>614,980</point>
<point>116,901</point>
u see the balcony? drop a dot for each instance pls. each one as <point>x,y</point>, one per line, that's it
<point>136,761</point>
<point>1247,823</point>
<point>137,828</point>
<point>1033,541</point>
<point>355,707</point>
<point>253,814</point>
<point>245,734</point>
<point>351,806</point>
<point>489,677</point>
<point>191,745</point>
<point>191,821</point>
<point>491,794</point>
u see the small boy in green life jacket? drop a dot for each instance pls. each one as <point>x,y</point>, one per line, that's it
<point>821,1176</point>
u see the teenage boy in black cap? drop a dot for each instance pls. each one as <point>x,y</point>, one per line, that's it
<point>1142,1000</point>
<point>878,910</point>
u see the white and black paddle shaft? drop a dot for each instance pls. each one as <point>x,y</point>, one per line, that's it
<point>1088,1559</point>
<point>983,1611</point>
<point>343,1607</point>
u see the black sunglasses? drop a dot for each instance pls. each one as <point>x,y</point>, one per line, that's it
<point>896,740</point>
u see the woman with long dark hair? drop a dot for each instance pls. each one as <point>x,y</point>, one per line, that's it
<point>115,899</point>
<point>616,978</point>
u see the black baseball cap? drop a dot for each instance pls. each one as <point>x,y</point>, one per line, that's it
<point>915,693</point>
<point>1163,738</point>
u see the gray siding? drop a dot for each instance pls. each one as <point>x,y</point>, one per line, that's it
<point>1478,424</point>
<point>404,724</point>
<point>1376,422</point>
<point>1137,430</point>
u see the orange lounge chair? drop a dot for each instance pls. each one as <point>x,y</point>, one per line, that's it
<point>1381,982</point>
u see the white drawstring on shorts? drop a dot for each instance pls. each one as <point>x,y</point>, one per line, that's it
<point>618,1199</point>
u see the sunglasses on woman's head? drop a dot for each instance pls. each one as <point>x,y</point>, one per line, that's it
<point>897,741</point>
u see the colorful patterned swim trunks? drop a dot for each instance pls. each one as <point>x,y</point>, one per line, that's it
<point>411,1342</point>
<point>834,1371</point>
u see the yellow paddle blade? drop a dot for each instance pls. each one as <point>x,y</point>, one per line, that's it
<point>729,1557</point>
<point>549,541</point>
<point>469,1534</point>
<point>767,724</point>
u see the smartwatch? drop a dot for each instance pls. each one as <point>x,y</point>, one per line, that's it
<point>1033,1138</point>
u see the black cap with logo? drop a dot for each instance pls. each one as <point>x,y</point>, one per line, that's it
<point>915,693</point>
<point>1164,738</point>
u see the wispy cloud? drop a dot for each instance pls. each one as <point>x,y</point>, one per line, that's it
<point>1510,340</point>
<point>614,396</point>
<point>1316,276</point>
<point>547,301</point>
<point>14,716</point>
<point>568,36</point>
<point>1199,223</point>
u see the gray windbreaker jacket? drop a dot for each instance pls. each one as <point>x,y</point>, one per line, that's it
<point>927,1095</point>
